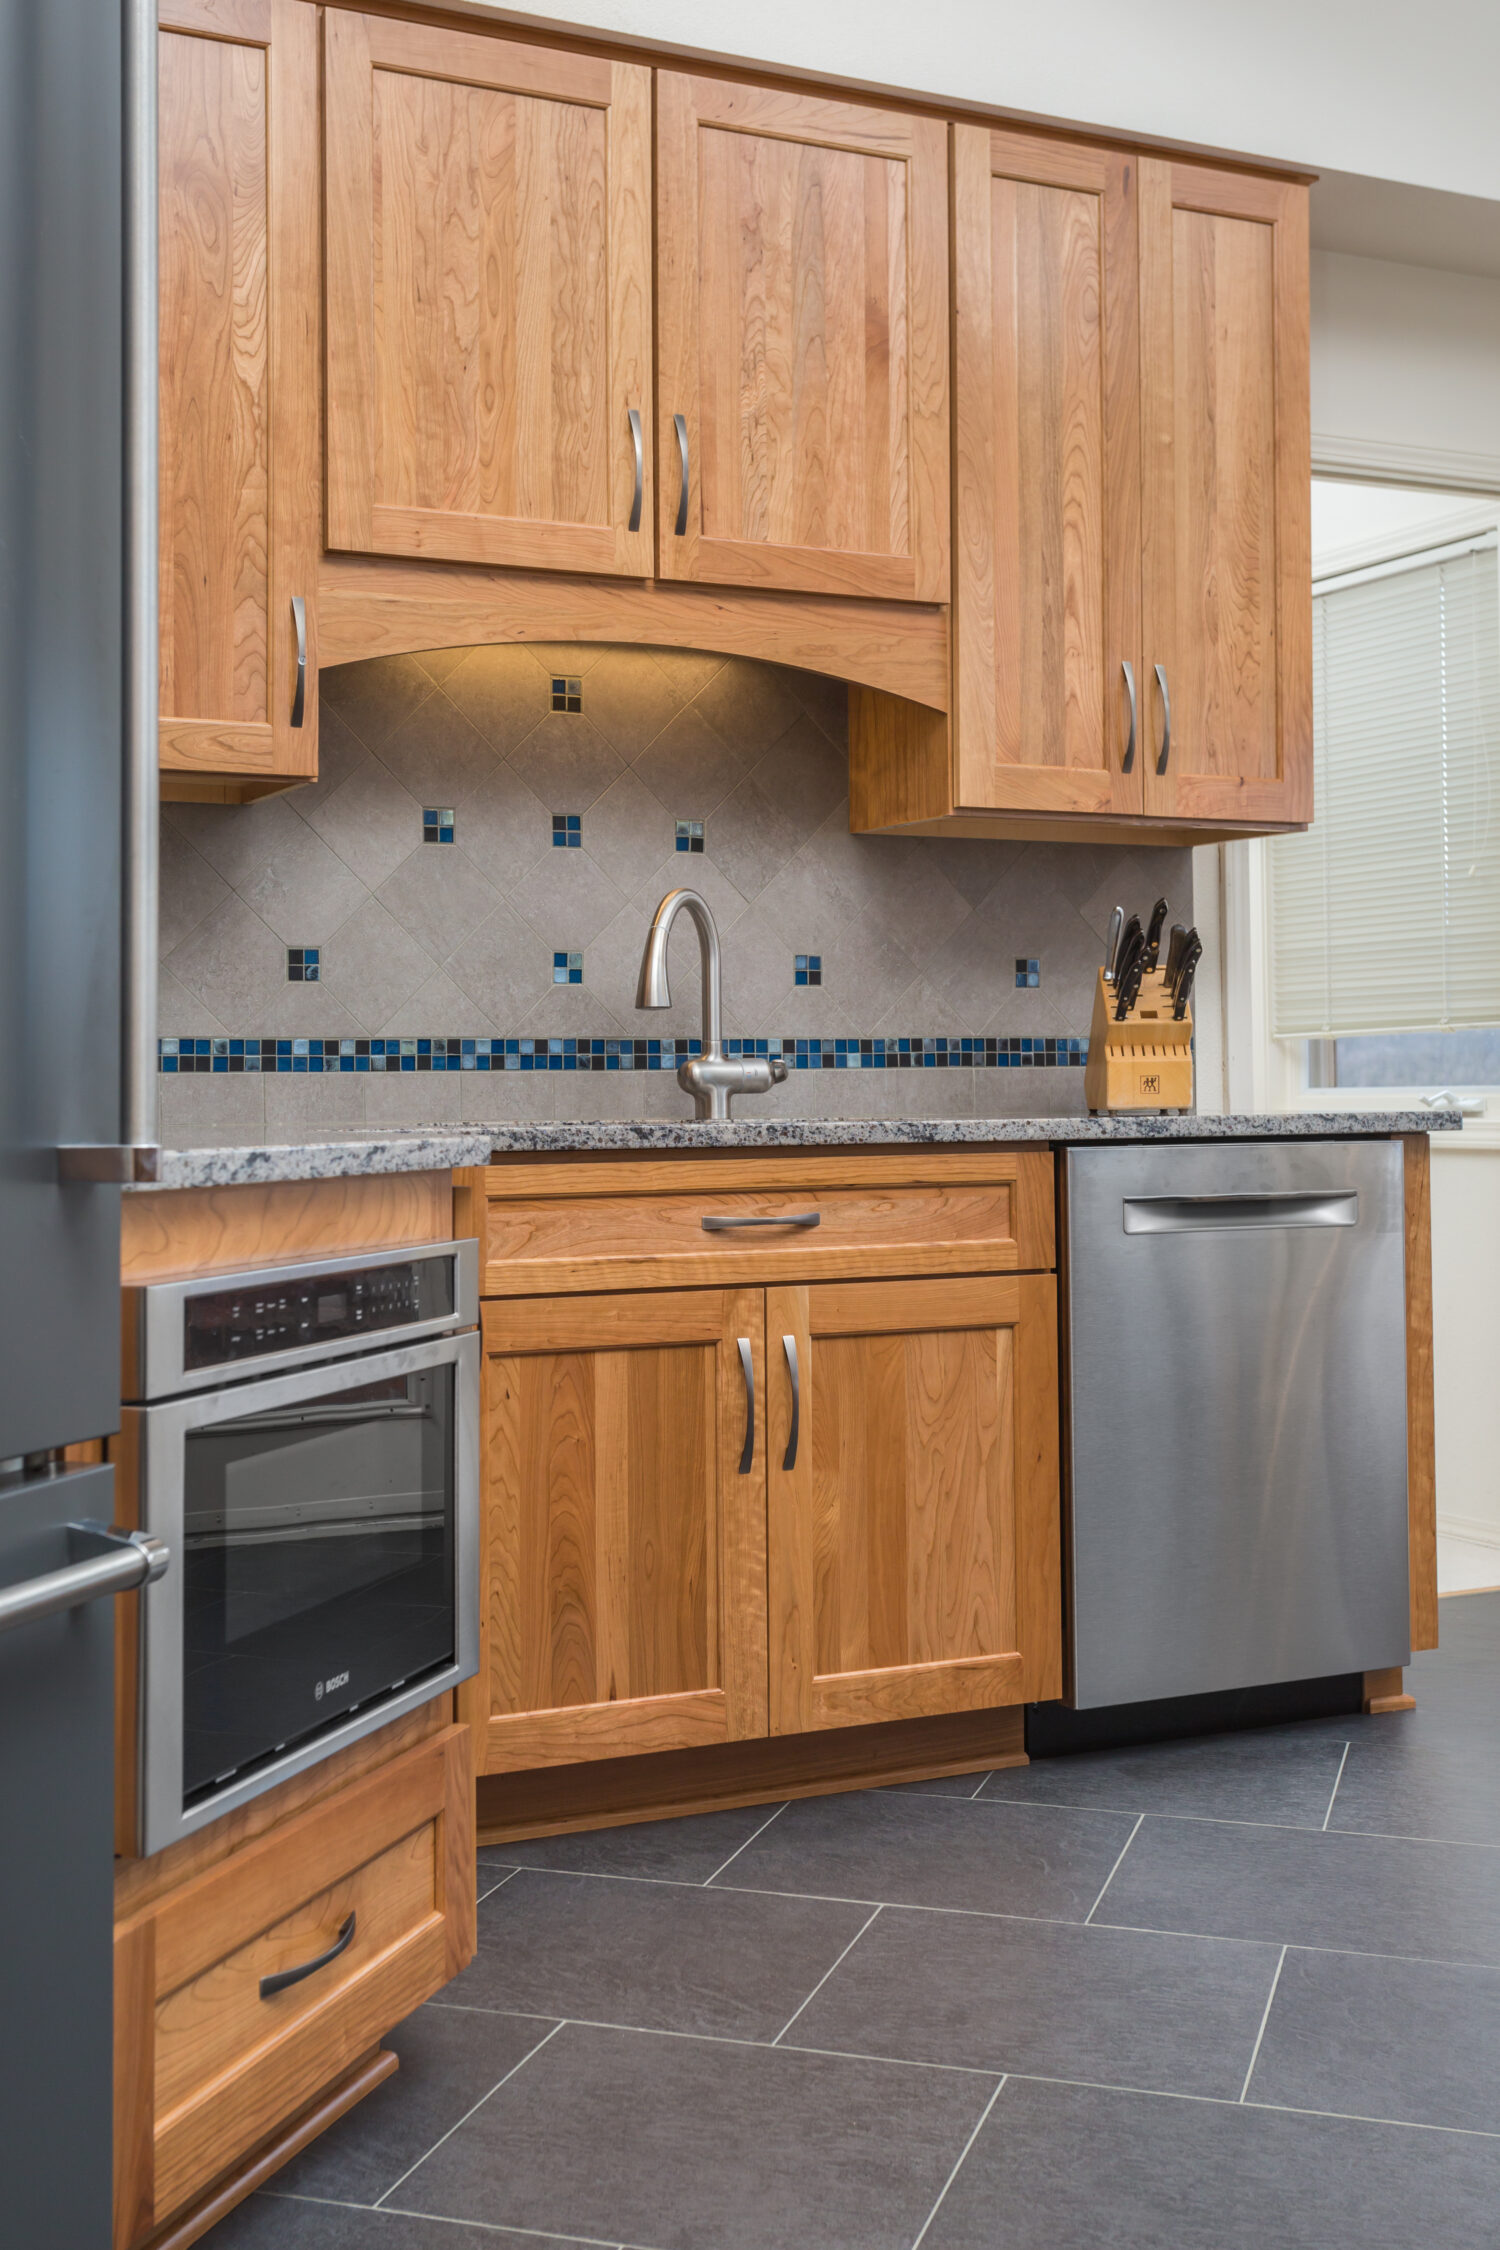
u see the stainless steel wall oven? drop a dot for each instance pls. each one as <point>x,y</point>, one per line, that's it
<point>308,1444</point>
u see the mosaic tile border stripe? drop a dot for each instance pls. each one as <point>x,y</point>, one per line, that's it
<point>181,1057</point>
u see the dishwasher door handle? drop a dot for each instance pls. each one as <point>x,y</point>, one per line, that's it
<point>1197,1214</point>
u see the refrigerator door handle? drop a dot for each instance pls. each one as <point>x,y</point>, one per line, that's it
<point>113,1562</point>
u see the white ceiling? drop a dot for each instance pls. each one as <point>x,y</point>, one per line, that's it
<point>1413,226</point>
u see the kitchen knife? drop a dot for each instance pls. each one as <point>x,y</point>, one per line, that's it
<point>1185,975</point>
<point>1128,936</point>
<point>1175,945</point>
<point>1112,943</point>
<point>1154,929</point>
<point>1128,965</point>
<point>1189,939</point>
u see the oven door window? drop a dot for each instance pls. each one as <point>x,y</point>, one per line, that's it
<point>318,1567</point>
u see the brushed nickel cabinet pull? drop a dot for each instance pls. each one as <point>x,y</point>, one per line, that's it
<point>1129,758</point>
<point>720,1222</point>
<point>679,424</point>
<point>285,1977</point>
<point>640,469</point>
<point>299,619</point>
<point>747,1363</point>
<point>789,1346</point>
<point>1166,720</point>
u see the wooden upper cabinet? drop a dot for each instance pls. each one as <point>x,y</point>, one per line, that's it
<point>239,299</point>
<point>802,309</point>
<point>1046,474</point>
<point>1226,496</point>
<point>488,275</point>
<point>624,1526</point>
<point>913,1537</point>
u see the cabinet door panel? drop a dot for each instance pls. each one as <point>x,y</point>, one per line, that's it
<point>1228,595</point>
<point>802,273</point>
<point>914,1558</point>
<point>1047,468</point>
<point>626,1545</point>
<point>489,299</point>
<point>237,142</point>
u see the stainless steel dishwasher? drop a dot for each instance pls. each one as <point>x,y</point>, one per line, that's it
<point>1235,1422</point>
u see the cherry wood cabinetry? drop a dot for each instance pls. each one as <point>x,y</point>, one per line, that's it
<point>782,1504</point>
<point>1227,564</point>
<point>802,340</point>
<point>239,313</point>
<point>488,261</point>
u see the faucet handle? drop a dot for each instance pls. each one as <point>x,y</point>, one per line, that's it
<point>778,1070</point>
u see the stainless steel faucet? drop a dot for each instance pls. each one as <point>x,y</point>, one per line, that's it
<point>713,1077</point>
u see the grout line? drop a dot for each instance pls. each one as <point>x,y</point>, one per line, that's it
<point>983,1778</point>
<point>902,2062</point>
<point>382,2200</point>
<point>1338,1777</point>
<point>506,1878</point>
<point>823,1979</point>
<point>1265,2019</point>
<point>734,1855</point>
<point>1293,1945</point>
<point>1114,1871</point>
<point>446,2219</point>
<point>1280,2109</point>
<point>958,2167</point>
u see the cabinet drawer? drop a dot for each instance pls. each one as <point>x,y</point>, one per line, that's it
<point>224,2065</point>
<point>623,1226</point>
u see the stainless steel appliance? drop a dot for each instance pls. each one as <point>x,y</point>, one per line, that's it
<point>309,1451</point>
<point>77,1036</point>
<point>1235,1430</point>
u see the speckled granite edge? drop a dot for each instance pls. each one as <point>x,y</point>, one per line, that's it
<point>422,1152</point>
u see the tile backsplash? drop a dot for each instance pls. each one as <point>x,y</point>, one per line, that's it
<point>467,886</point>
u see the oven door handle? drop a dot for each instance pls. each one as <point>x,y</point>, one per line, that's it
<point>285,1977</point>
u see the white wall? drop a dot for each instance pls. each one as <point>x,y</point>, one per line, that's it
<point>1466,1336</point>
<point>1374,87</point>
<point>1406,370</point>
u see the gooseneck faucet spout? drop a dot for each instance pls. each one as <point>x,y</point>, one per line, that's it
<point>712,1078</point>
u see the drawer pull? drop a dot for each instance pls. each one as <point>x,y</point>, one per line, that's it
<point>789,1346</point>
<point>721,1223</point>
<point>284,1977</point>
<point>747,1364</point>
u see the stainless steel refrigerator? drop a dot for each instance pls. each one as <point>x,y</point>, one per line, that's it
<point>77,665</point>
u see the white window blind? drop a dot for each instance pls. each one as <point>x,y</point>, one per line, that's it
<point>1385,915</point>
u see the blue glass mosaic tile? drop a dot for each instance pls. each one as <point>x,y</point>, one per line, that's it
<point>567,968</point>
<point>1028,974</point>
<point>807,968</point>
<point>689,836</point>
<point>567,831</point>
<point>567,694</point>
<point>302,964</point>
<point>181,1057</point>
<point>437,824</point>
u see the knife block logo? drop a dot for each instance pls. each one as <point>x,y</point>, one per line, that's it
<point>1150,1082</point>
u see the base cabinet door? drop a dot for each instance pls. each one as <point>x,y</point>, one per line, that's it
<point>623,1526</point>
<point>913,1523</point>
<point>1227,596</point>
<point>1046,559</point>
<point>239,445</point>
<point>488,223</point>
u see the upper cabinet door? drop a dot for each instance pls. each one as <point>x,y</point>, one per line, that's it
<point>238,488</point>
<point>802,276</point>
<point>488,214</point>
<point>1226,499</point>
<point>1047,475</point>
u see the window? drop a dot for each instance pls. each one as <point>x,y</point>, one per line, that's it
<point>1385,915</point>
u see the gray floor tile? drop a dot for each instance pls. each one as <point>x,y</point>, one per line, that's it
<point>1179,2014</point>
<point>670,1851</point>
<point>1068,2168</point>
<point>449,2061</point>
<point>1275,1775</point>
<point>1415,1774</point>
<point>271,2221</point>
<point>1371,2038</point>
<point>726,1964</point>
<point>945,1785</point>
<point>491,1874</point>
<point>693,2145</point>
<point>1365,1894</point>
<point>902,1849</point>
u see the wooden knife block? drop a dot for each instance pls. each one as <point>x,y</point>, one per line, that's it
<point>1146,1062</point>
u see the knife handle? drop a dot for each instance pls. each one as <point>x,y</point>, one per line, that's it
<point>1190,959</point>
<point>1159,913</point>
<point>1176,947</point>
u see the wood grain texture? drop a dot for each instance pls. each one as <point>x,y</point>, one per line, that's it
<point>900,761</point>
<point>384,608</point>
<point>238,306</point>
<point>489,298</point>
<point>1047,828</point>
<point>134,2112</point>
<point>186,1231</point>
<point>625,1604</point>
<point>1226,493</point>
<point>802,334</point>
<point>276,2150</point>
<point>916,1499</point>
<point>1421,1424</point>
<point>1386,1691</point>
<point>556,1801</point>
<point>1046,473</point>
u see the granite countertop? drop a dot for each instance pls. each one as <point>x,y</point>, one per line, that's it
<point>441,1151</point>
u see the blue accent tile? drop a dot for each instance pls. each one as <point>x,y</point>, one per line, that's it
<point>689,836</point>
<point>567,831</point>
<point>437,824</point>
<point>567,693</point>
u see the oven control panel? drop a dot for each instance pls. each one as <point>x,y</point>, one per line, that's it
<point>264,1315</point>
